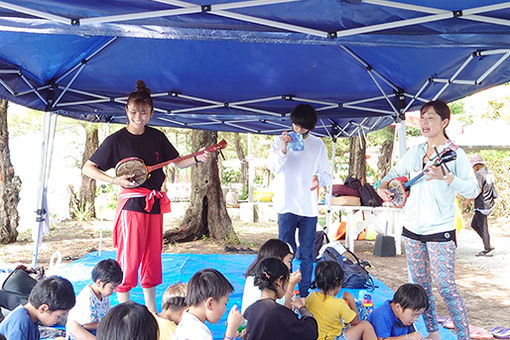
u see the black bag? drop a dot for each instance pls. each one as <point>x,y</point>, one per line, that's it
<point>355,274</point>
<point>320,237</point>
<point>18,285</point>
<point>369,197</point>
<point>353,183</point>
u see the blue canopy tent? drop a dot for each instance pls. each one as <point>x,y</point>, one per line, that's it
<point>242,65</point>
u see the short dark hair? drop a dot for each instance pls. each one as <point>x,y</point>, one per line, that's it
<point>412,296</point>
<point>268,271</point>
<point>207,283</point>
<point>305,116</point>
<point>128,320</point>
<point>271,248</point>
<point>328,275</point>
<point>54,291</point>
<point>108,271</point>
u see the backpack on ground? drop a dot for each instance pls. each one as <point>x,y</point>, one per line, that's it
<point>369,197</point>
<point>321,238</point>
<point>18,285</point>
<point>355,274</point>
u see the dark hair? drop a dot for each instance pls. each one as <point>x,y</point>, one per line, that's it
<point>271,248</point>
<point>268,271</point>
<point>141,95</point>
<point>128,320</point>
<point>441,109</point>
<point>2,337</point>
<point>207,283</point>
<point>54,291</point>
<point>174,297</point>
<point>412,296</point>
<point>108,271</point>
<point>305,116</point>
<point>328,275</point>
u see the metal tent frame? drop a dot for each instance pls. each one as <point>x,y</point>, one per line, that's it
<point>52,52</point>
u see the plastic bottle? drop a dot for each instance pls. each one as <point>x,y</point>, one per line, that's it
<point>367,306</point>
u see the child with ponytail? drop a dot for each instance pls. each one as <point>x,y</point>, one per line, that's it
<point>269,320</point>
<point>332,313</point>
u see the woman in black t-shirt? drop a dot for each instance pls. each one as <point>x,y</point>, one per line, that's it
<point>138,231</point>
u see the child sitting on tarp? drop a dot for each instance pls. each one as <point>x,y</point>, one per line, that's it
<point>93,301</point>
<point>207,297</point>
<point>394,320</point>
<point>50,299</point>
<point>173,305</point>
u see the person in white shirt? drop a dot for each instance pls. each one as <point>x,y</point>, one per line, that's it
<point>299,171</point>
<point>207,297</point>
<point>93,302</point>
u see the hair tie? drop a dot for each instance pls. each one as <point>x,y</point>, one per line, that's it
<point>267,275</point>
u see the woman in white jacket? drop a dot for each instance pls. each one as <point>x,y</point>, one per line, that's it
<point>429,214</point>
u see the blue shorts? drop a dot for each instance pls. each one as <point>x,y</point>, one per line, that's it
<point>341,337</point>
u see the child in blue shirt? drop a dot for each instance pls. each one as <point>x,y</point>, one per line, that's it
<point>49,300</point>
<point>394,319</point>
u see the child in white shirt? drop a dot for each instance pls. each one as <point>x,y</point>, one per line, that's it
<point>93,302</point>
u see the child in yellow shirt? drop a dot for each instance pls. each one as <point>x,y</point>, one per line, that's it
<point>173,305</point>
<point>331,312</point>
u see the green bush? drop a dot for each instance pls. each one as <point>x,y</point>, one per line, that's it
<point>230,176</point>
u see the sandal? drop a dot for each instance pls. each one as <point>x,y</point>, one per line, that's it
<point>479,333</point>
<point>484,253</point>
<point>442,319</point>
<point>501,332</point>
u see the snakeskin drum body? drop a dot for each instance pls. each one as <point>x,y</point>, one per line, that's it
<point>133,167</point>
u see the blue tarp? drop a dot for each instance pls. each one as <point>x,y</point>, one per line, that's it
<point>242,66</point>
<point>181,267</point>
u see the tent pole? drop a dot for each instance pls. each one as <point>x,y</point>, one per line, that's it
<point>48,135</point>
<point>329,191</point>
<point>251,171</point>
<point>402,143</point>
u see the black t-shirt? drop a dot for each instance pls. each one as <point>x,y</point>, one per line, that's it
<point>485,200</point>
<point>152,146</point>
<point>268,320</point>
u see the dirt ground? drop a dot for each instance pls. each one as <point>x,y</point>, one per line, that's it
<point>483,283</point>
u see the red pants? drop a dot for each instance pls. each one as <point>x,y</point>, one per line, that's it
<point>139,240</point>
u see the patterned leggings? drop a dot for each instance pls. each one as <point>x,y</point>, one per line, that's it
<point>440,257</point>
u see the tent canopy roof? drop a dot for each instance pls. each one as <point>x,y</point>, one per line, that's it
<point>243,65</point>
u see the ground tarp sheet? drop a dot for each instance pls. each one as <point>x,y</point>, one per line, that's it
<point>180,268</point>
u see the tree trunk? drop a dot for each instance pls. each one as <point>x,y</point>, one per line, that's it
<point>84,203</point>
<point>242,159</point>
<point>384,161</point>
<point>207,215</point>
<point>357,158</point>
<point>10,185</point>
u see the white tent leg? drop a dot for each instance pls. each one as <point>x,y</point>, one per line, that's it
<point>251,171</point>
<point>329,192</point>
<point>402,150</point>
<point>402,143</point>
<point>48,136</point>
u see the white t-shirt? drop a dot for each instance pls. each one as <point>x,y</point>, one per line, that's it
<point>88,308</point>
<point>191,328</point>
<point>252,293</point>
<point>293,176</point>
